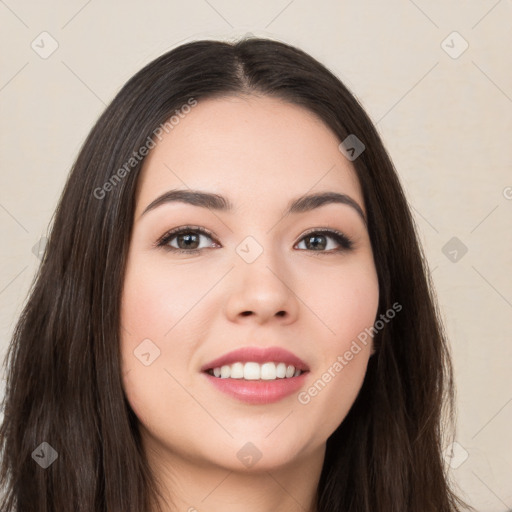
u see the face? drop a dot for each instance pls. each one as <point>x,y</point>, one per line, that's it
<point>253,276</point>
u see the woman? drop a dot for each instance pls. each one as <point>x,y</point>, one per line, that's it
<point>233,307</point>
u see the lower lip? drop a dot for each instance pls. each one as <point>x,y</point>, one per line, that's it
<point>258,391</point>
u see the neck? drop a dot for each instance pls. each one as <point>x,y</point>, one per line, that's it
<point>194,485</point>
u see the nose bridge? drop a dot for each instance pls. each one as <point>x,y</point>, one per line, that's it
<point>262,286</point>
<point>262,273</point>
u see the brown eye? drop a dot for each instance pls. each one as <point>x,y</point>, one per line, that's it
<point>318,241</point>
<point>185,240</point>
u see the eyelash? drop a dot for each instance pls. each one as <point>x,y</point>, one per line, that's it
<point>345,242</point>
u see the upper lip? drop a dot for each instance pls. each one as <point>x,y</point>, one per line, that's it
<point>257,355</point>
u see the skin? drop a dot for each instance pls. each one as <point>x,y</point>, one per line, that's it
<point>260,153</point>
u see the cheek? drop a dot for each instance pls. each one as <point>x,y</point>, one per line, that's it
<point>348,307</point>
<point>331,393</point>
<point>345,301</point>
<point>159,296</point>
<point>159,328</point>
<point>155,300</point>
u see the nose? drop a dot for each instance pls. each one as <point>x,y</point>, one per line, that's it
<point>262,293</point>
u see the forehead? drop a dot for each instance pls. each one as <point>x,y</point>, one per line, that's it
<point>248,149</point>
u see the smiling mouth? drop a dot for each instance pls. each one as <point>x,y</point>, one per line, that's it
<point>256,371</point>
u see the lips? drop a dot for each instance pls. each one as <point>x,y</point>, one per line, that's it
<point>251,389</point>
<point>257,355</point>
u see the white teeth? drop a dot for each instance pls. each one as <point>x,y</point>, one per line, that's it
<point>252,371</point>
<point>237,371</point>
<point>281,371</point>
<point>256,371</point>
<point>268,371</point>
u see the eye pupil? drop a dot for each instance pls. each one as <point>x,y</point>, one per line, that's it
<point>188,237</point>
<point>316,244</point>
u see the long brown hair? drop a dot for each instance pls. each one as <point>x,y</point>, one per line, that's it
<point>64,384</point>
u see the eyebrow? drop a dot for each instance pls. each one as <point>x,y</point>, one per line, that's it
<point>217,202</point>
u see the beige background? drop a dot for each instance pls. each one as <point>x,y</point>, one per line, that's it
<point>445,116</point>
